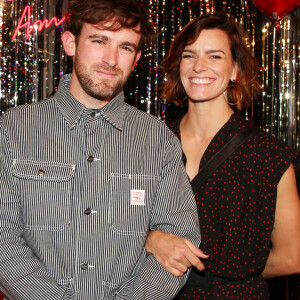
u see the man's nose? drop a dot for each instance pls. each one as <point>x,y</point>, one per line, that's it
<point>110,56</point>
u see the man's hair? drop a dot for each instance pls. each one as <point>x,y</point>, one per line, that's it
<point>122,14</point>
<point>246,85</point>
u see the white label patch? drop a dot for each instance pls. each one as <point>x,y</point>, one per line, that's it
<point>137,197</point>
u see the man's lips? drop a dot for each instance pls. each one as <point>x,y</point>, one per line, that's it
<point>106,72</point>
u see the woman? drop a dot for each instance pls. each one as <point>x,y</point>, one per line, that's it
<point>248,208</point>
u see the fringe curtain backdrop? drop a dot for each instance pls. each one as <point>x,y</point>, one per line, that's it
<point>31,66</point>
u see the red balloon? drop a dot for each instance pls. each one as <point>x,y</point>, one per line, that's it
<point>276,9</point>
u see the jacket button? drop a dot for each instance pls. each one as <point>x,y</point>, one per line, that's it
<point>90,158</point>
<point>84,266</point>
<point>87,211</point>
<point>41,172</point>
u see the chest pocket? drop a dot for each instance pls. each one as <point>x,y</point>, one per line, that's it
<point>45,190</point>
<point>131,201</point>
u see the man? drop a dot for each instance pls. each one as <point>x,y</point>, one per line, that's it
<point>84,176</point>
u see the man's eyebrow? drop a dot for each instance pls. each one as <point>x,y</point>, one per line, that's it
<point>105,38</point>
<point>98,36</point>
<point>134,46</point>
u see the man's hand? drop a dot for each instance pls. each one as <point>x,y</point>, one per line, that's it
<point>174,253</point>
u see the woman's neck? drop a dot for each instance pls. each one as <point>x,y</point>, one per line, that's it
<point>197,129</point>
<point>204,120</point>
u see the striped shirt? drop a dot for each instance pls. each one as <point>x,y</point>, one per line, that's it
<point>80,189</point>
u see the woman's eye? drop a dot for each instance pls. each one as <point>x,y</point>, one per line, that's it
<point>216,57</point>
<point>187,56</point>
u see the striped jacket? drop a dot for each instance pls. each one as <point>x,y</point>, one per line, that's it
<point>80,189</point>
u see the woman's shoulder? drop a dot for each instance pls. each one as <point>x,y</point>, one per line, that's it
<point>264,148</point>
<point>271,145</point>
<point>261,138</point>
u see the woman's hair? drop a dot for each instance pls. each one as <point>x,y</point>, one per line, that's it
<point>122,14</point>
<point>246,85</point>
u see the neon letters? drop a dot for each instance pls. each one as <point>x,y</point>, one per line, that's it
<point>39,24</point>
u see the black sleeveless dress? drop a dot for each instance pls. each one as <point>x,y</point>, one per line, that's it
<point>236,208</point>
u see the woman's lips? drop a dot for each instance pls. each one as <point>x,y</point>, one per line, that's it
<point>205,80</point>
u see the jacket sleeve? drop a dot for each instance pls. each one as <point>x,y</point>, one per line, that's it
<point>22,275</point>
<point>175,212</point>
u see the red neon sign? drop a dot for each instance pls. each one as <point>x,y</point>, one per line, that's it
<point>39,23</point>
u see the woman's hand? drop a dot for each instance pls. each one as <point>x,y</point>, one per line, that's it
<point>174,253</point>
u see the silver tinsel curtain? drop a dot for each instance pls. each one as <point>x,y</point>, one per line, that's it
<point>30,67</point>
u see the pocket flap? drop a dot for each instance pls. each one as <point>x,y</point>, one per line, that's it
<point>45,171</point>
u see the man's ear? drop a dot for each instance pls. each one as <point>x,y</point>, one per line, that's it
<point>137,57</point>
<point>68,40</point>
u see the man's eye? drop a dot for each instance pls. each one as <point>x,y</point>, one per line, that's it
<point>126,48</point>
<point>98,42</point>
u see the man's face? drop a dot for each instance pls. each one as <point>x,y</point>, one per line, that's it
<point>103,61</point>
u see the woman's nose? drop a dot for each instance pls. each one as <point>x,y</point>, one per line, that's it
<point>200,65</point>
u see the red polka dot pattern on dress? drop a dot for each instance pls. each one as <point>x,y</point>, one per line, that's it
<point>236,208</point>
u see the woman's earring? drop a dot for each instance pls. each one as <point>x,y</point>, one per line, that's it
<point>231,83</point>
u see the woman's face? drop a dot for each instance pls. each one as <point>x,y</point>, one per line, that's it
<point>207,66</point>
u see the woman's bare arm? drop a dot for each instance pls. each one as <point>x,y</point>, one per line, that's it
<point>284,258</point>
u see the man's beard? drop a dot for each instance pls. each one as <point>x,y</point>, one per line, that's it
<point>102,90</point>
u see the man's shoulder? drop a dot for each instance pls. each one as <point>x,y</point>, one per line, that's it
<point>145,123</point>
<point>133,114</point>
<point>29,110</point>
